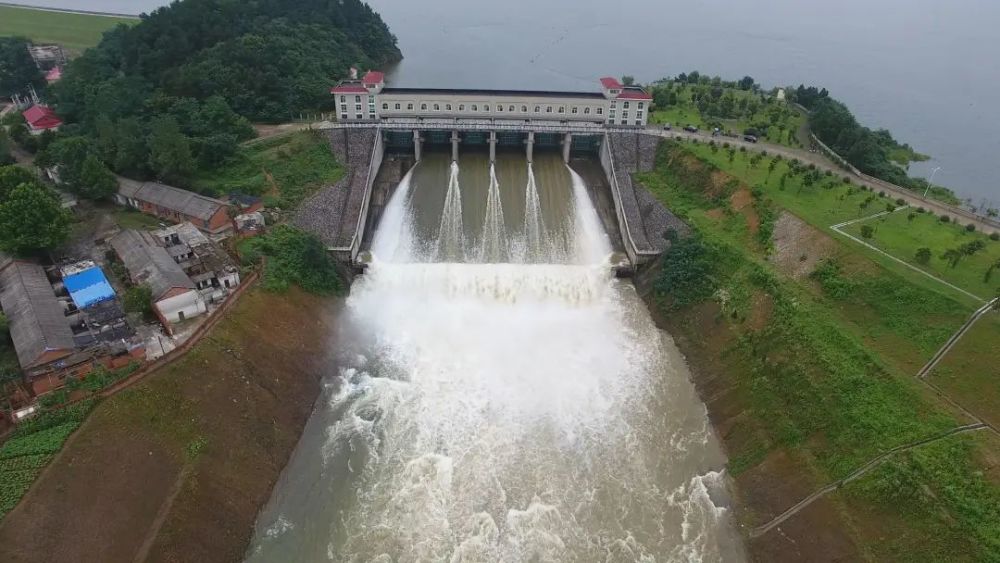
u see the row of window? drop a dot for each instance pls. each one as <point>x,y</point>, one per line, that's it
<point>625,104</point>
<point>499,108</point>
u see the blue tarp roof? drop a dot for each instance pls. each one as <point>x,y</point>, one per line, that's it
<point>88,287</point>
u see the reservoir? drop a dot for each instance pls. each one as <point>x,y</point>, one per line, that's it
<point>923,69</point>
<point>499,395</point>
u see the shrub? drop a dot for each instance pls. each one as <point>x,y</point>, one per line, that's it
<point>881,194</point>
<point>900,202</point>
<point>971,227</point>
<point>293,257</point>
<point>867,231</point>
<point>945,218</point>
<point>847,180</point>
<point>911,216</point>
<point>921,210</point>
<point>688,274</point>
<point>994,236</point>
<point>828,173</point>
<point>138,299</point>
<point>923,255</point>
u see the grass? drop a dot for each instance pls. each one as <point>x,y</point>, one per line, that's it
<point>285,170</point>
<point>75,32</point>
<point>686,112</point>
<point>825,373</point>
<point>970,372</point>
<point>904,155</point>
<point>129,219</point>
<point>900,235</point>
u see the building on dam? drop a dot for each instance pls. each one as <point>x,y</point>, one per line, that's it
<point>369,99</point>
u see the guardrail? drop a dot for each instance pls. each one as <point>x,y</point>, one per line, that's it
<point>631,248</point>
<point>374,162</point>
<point>460,124</point>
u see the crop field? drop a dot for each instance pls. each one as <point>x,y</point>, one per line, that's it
<point>75,32</point>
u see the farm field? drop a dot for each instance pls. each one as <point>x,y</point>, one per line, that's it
<point>75,32</point>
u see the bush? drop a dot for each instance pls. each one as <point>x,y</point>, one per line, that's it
<point>293,257</point>
<point>994,236</point>
<point>139,299</point>
<point>867,231</point>
<point>688,273</point>
<point>923,255</point>
<point>847,180</point>
<point>971,227</point>
<point>921,210</point>
<point>900,202</point>
<point>945,219</point>
<point>881,194</point>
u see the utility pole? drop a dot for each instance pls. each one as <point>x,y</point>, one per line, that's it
<point>931,179</point>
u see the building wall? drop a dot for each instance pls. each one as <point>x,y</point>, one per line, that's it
<point>190,303</point>
<point>485,106</point>
<point>355,106</point>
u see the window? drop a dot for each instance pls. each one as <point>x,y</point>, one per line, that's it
<point>385,106</point>
<point>461,107</point>
<point>575,110</point>
<point>409,106</point>
<point>600,111</point>
<point>397,106</point>
<point>357,99</point>
<point>641,105</point>
<point>180,315</point>
<point>624,122</point>
<point>586,111</point>
<point>611,114</point>
<point>357,107</point>
<point>638,115</point>
<point>613,92</point>
<point>538,109</point>
<point>614,104</point>
<point>475,107</point>
<point>499,107</point>
<point>562,109</point>
<point>638,122</point>
<point>626,105</point>
<point>343,107</point>
<point>359,116</point>
<point>343,98</point>
<point>486,107</point>
<point>625,115</point>
<point>548,109</point>
<point>524,109</point>
<point>423,107</point>
<point>510,107</point>
<point>437,107</point>
<point>447,107</point>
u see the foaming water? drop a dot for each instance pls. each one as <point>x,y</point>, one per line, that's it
<point>500,412</point>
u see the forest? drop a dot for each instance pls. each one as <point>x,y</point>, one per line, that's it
<point>177,92</point>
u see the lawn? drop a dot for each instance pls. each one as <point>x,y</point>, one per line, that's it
<point>129,219</point>
<point>904,232</point>
<point>285,170</point>
<point>831,200</point>
<point>825,370</point>
<point>75,32</point>
<point>783,121</point>
<point>970,372</point>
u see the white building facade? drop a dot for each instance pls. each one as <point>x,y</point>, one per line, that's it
<point>370,100</point>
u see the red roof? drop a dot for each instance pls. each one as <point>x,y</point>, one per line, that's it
<point>611,83</point>
<point>634,94</point>
<point>373,77</point>
<point>54,74</point>
<point>348,89</point>
<point>41,117</point>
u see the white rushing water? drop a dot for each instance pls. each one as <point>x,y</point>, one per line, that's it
<point>500,412</point>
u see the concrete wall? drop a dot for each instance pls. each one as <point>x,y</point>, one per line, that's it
<point>609,170</point>
<point>190,303</point>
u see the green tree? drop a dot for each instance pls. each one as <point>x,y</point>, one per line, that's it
<point>952,256</point>
<point>32,219</point>
<point>12,177</point>
<point>131,154</point>
<point>138,299</point>
<point>5,147</point>
<point>628,80</point>
<point>923,255</point>
<point>170,151</point>
<point>867,231</point>
<point>17,69</point>
<point>96,181</point>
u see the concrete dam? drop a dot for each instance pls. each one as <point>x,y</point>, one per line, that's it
<point>496,392</point>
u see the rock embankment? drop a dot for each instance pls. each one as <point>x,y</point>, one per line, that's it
<point>648,219</point>
<point>332,213</point>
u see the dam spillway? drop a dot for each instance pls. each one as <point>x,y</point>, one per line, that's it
<point>498,395</point>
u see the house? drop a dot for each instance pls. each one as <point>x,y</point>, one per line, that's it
<point>175,296</point>
<point>64,329</point>
<point>174,204</point>
<point>212,270</point>
<point>53,75</point>
<point>41,119</point>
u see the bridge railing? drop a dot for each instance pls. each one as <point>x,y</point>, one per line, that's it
<point>635,254</point>
<point>374,163</point>
<point>463,124</point>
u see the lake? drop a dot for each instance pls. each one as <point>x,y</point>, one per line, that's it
<point>921,68</point>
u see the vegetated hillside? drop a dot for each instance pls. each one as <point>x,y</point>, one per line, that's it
<point>804,351</point>
<point>173,96</point>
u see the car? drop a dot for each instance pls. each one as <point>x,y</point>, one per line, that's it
<point>666,127</point>
<point>750,138</point>
<point>691,129</point>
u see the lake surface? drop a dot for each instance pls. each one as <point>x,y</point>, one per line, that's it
<point>926,70</point>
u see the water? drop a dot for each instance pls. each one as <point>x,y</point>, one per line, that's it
<point>515,411</point>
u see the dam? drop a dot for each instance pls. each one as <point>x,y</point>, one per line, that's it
<point>496,392</point>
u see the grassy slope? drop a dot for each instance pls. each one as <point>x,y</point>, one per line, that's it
<point>686,112</point>
<point>814,379</point>
<point>284,169</point>
<point>901,236</point>
<point>75,32</point>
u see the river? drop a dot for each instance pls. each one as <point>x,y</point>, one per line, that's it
<point>923,69</point>
<point>501,396</point>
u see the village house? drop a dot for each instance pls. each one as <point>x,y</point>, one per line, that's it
<point>176,205</point>
<point>184,269</point>
<point>41,119</point>
<point>65,328</point>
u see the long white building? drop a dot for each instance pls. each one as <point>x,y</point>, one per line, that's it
<point>369,99</point>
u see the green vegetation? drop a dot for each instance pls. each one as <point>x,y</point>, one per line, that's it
<point>138,299</point>
<point>101,378</point>
<point>75,32</point>
<point>736,107</point>
<point>291,257</point>
<point>970,371</point>
<point>17,68</point>
<point>32,446</point>
<point>822,367</point>
<point>946,250</point>
<point>31,216</point>
<point>129,219</point>
<point>875,153</point>
<point>284,170</point>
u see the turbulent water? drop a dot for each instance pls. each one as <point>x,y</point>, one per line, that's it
<point>523,409</point>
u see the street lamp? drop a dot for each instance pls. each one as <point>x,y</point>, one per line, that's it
<point>931,179</point>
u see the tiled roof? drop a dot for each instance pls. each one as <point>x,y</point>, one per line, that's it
<point>348,89</point>
<point>611,83</point>
<point>41,117</point>
<point>373,77</point>
<point>634,94</point>
<point>168,197</point>
<point>148,262</point>
<point>36,319</point>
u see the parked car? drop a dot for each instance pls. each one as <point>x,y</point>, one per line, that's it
<point>751,138</point>
<point>691,129</point>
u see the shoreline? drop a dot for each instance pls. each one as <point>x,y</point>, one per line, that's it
<point>69,11</point>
